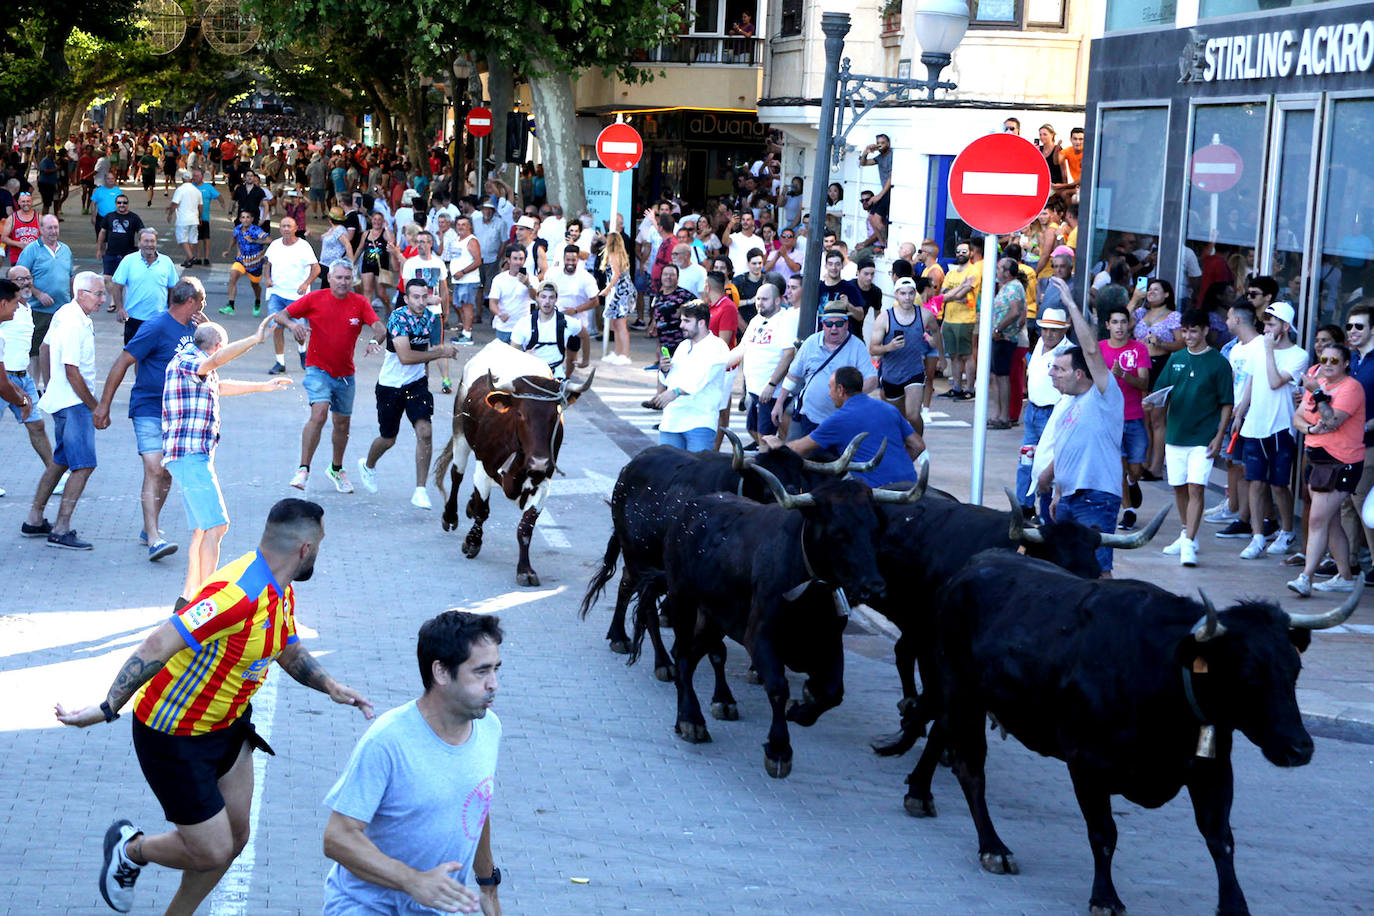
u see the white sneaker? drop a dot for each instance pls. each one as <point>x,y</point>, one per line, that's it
<point>1334,584</point>
<point>61,483</point>
<point>1187,556</point>
<point>301,479</point>
<point>1302,585</point>
<point>1254,549</point>
<point>367,475</point>
<point>1176,547</point>
<point>340,478</point>
<point>1283,544</point>
<point>1220,514</point>
<point>420,499</point>
<point>118,873</point>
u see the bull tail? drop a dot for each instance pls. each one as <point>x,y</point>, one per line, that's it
<point>645,611</point>
<point>601,577</point>
<point>441,465</point>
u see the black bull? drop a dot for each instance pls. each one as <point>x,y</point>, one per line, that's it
<point>1126,683</point>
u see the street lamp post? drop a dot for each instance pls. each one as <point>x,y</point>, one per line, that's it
<point>940,26</point>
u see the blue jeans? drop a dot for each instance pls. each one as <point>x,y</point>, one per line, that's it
<point>693,440</point>
<point>1033,419</point>
<point>1094,509</point>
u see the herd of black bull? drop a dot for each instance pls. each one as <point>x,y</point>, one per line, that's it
<point>1138,690</point>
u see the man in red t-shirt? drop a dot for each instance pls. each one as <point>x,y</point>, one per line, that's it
<point>725,325</point>
<point>336,317</point>
<point>1129,362</point>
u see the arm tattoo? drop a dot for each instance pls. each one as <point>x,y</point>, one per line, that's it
<point>302,666</point>
<point>131,677</point>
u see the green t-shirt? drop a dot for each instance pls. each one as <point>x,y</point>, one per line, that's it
<point>1201,387</point>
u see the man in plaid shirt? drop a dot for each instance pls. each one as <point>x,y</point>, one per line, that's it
<point>190,432</point>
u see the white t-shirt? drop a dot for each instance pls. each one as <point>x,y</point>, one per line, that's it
<point>547,347</point>
<point>698,371</point>
<point>574,289</point>
<point>693,277</point>
<point>458,253</point>
<point>16,336</point>
<point>740,246</point>
<point>763,342</point>
<point>513,298</point>
<point>1242,360</point>
<point>1271,409</point>
<point>554,230</point>
<point>1039,389</point>
<point>290,266</point>
<point>71,342</point>
<point>188,201</point>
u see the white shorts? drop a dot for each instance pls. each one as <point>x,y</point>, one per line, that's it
<point>187,233</point>
<point>1186,464</point>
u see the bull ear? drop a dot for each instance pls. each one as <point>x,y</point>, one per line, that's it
<point>500,401</point>
<point>1300,638</point>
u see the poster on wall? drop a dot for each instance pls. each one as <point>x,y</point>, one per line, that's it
<point>598,184</point>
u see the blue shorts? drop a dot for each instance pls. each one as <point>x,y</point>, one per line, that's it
<point>24,382</point>
<point>1135,441</point>
<point>200,492</point>
<point>74,433</point>
<point>436,329</point>
<point>317,195</point>
<point>466,293</point>
<point>503,336</point>
<point>321,386</point>
<point>1270,460</point>
<point>759,418</point>
<point>693,440</point>
<point>148,433</point>
<point>276,303</point>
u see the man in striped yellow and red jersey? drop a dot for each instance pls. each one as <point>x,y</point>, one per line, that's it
<point>193,733</point>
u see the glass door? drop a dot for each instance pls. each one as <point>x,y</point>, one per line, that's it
<point>1293,163</point>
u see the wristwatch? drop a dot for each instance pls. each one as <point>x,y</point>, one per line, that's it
<point>110,714</point>
<point>492,881</point>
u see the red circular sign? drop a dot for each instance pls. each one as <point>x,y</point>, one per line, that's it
<point>999,183</point>
<point>1215,168</point>
<point>479,122</point>
<point>619,147</point>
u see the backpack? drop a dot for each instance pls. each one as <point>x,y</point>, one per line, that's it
<point>560,323</point>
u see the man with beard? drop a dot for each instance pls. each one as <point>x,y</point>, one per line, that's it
<point>191,681</point>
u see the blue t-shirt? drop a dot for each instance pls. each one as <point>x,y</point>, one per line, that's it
<point>207,194</point>
<point>104,199</point>
<point>424,801</point>
<point>1362,368</point>
<point>156,342</point>
<point>862,414</point>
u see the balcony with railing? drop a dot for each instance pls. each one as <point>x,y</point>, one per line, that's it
<point>716,50</point>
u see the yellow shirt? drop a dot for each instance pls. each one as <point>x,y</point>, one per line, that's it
<point>965,311</point>
<point>1028,281</point>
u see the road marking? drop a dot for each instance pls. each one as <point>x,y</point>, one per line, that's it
<point>1014,184</point>
<point>509,600</point>
<point>551,531</point>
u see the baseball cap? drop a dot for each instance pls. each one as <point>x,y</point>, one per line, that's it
<point>904,283</point>
<point>1063,251</point>
<point>1283,311</point>
<point>1053,317</point>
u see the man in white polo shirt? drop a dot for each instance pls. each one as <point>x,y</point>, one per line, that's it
<point>692,380</point>
<point>289,269</point>
<point>577,296</point>
<point>766,351</point>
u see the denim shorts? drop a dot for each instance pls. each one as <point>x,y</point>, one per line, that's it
<point>693,440</point>
<point>74,432</point>
<point>200,493</point>
<point>1270,459</point>
<point>321,386</point>
<point>436,328</point>
<point>759,418</point>
<point>276,303</point>
<point>1135,441</point>
<point>25,384</point>
<point>148,433</point>
<point>1093,509</point>
<point>465,293</point>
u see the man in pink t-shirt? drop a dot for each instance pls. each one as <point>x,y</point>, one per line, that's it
<point>1129,361</point>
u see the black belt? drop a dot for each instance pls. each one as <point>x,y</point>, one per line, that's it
<point>19,372</point>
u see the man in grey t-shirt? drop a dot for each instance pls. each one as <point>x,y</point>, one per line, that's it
<point>410,815</point>
<point>808,378</point>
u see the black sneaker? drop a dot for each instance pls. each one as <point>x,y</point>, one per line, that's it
<point>179,604</point>
<point>277,369</point>
<point>1127,520</point>
<point>41,530</point>
<point>1236,529</point>
<point>189,262</point>
<point>1133,490</point>
<point>1271,527</point>
<point>68,540</point>
<point>1369,576</point>
<point>117,872</point>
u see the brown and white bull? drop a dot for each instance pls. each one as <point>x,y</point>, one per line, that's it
<point>508,412</point>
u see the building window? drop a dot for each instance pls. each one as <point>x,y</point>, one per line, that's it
<point>1128,190</point>
<point>716,32</point>
<point>1135,14</point>
<point>1210,8</point>
<point>790,19</point>
<point>1016,14</point>
<point>1345,275</point>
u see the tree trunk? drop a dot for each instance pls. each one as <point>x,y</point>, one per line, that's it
<point>556,119</point>
<point>501,89</point>
<point>381,114</point>
<point>69,115</point>
<point>115,111</point>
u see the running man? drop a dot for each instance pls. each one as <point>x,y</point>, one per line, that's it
<point>252,241</point>
<point>193,733</point>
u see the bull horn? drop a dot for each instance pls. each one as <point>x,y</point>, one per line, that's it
<point>1208,627</point>
<point>491,379</point>
<point>783,498</point>
<point>1136,538</point>
<point>1332,617</point>
<point>918,489</point>
<point>865,466</point>
<point>1019,532</point>
<point>839,465</point>
<point>737,462</point>
<point>579,389</point>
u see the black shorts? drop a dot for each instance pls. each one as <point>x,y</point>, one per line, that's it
<point>184,770</point>
<point>149,179</point>
<point>895,390</point>
<point>41,322</point>
<point>1326,474</point>
<point>1002,353</point>
<point>1157,364</point>
<point>109,263</point>
<point>414,401</point>
<point>203,231</point>
<point>881,207</point>
<point>131,326</point>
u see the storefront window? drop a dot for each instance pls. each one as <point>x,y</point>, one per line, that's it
<point>1290,203</point>
<point>1129,189</point>
<point>1209,8</point>
<point>1225,188</point>
<point>942,220</point>
<point>1136,14</point>
<point>1345,275</point>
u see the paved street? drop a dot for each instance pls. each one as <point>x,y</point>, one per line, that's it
<point>592,783</point>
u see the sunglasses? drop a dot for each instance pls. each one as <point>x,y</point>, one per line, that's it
<point>1354,327</point>
<point>1253,294</point>
<point>1329,361</point>
<point>836,324</point>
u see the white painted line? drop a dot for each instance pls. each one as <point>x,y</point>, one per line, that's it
<point>619,146</point>
<point>231,894</point>
<point>1214,168</point>
<point>548,527</point>
<point>1014,184</point>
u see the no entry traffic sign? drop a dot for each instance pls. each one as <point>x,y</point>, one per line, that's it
<point>1216,168</point>
<point>479,122</point>
<point>619,147</point>
<point>999,183</point>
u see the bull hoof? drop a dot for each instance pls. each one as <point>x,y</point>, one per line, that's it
<point>620,646</point>
<point>999,863</point>
<point>804,714</point>
<point>530,578</point>
<point>693,733</point>
<point>472,546</point>
<point>1107,909</point>
<point>919,807</point>
<point>778,769</point>
<point>666,673</point>
<point>725,712</point>
<point>752,676</point>
<point>450,522</point>
<point>894,745</point>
